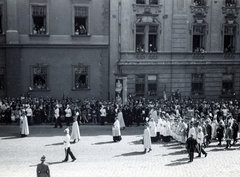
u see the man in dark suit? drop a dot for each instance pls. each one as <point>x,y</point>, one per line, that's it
<point>43,168</point>
<point>191,145</point>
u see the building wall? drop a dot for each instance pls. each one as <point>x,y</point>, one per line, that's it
<point>59,49</point>
<point>174,62</point>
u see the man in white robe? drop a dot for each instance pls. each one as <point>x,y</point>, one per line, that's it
<point>116,133</point>
<point>153,130</point>
<point>24,124</point>
<point>146,139</point>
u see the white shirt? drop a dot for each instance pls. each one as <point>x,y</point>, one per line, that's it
<point>200,137</point>
<point>103,112</point>
<point>68,112</point>
<point>29,111</point>
<point>66,141</point>
<point>56,113</point>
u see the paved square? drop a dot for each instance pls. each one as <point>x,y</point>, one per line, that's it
<point>97,155</point>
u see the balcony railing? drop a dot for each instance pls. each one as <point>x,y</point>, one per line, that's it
<point>180,58</point>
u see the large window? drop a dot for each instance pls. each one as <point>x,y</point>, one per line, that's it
<point>227,84</point>
<point>81,77</point>
<point>39,19</point>
<point>197,84</point>
<point>140,1</point>
<point>198,38</point>
<point>146,85</point>
<point>200,2</point>
<point>153,2</point>
<point>140,85</point>
<point>152,85</point>
<point>230,3</point>
<point>81,20</point>
<point>146,38</point>
<point>229,38</point>
<point>39,81</point>
<point>2,79</point>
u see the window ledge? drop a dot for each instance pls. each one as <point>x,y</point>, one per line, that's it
<point>198,96</point>
<point>81,35</point>
<point>227,96</point>
<point>39,90</point>
<point>81,89</point>
<point>39,35</point>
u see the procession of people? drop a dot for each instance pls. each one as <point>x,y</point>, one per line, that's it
<point>195,124</point>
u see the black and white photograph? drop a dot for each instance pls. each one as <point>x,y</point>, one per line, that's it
<point>119,88</point>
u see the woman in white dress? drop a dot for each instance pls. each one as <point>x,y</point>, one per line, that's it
<point>75,128</point>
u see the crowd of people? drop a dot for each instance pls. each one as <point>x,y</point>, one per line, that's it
<point>194,123</point>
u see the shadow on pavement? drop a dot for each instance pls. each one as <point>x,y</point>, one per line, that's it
<point>177,162</point>
<point>136,142</point>
<point>54,163</point>
<point>223,149</point>
<point>12,137</point>
<point>132,153</point>
<point>54,144</point>
<point>107,142</point>
<point>184,151</point>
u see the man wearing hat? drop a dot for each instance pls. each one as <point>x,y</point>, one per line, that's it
<point>42,168</point>
<point>66,143</point>
<point>191,145</point>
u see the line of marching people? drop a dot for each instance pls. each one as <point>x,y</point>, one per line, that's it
<point>167,127</point>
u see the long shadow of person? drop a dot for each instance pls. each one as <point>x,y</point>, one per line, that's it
<point>54,144</point>
<point>107,142</point>
<point>177,162</point>
<point>132,153</point>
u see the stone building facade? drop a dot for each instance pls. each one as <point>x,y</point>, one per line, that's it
<point>54,48</point>
<point>187,45</point>
<point>79,48</point>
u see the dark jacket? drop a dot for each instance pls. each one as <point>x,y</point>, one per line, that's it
<point>191,144</point>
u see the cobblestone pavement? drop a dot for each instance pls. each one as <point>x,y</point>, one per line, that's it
<point>97,155</point>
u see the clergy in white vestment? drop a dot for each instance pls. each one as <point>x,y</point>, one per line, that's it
<point>154,115</point>
<point>147,139</point>
<point>166,130</point>
<point>159,127</point>
<point>116,133</point>
<point>24,124</point>
<point>75,135</point>
<point>153,130</point>
<point>120,119</point>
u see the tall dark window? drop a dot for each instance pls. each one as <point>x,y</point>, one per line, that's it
<point>152,39</point>
<point>197,84</point>
<point>81,77</point>
<point>152,85</point>
<point>229,38</point>
<point>146,38</point>
<point>140,38</point>
<point>39,19</point>
<point>198,38</point>
<point>1,21</point>
<point>140,85</point>
<point>39,77</point>
<point>227,84</point>
<point>81,20</point>
<point>2,79</point>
